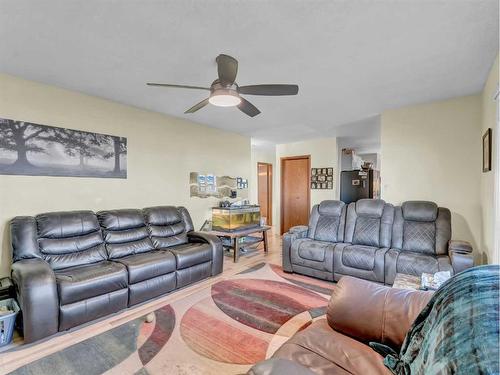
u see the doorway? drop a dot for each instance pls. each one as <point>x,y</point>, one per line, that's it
<point>295,191</point>
<point>265,191</point>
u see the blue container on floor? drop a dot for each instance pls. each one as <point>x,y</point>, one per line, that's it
<point>7,321</point>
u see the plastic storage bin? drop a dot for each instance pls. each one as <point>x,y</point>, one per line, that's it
<point>7,321</point>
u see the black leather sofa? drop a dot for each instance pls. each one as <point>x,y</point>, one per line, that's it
<point>373,240</point>
<point>70,268</point>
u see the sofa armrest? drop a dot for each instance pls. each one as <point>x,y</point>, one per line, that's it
<point>36,291</point>
<point>460,246</point>
<point>299,231</point>
<point>278,366</point>
<point>372,312</point>
<point>461,257</point>
<point>215,243</point>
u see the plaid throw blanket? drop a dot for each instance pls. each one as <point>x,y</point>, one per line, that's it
<point>458,331</point>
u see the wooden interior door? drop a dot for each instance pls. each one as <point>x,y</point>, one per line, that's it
<point>265,187</point>
<point>295,191</point>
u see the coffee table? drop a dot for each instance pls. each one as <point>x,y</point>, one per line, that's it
<point>235,236</point>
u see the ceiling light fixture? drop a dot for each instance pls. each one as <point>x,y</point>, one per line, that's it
<point>224,98</point>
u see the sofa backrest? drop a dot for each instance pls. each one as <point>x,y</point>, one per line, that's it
<point>327,221</point>
<point>369,223</point>
<point>63,239</point>
<point>423,227</point>
<point>168,225</point>
<point>73,238</point>
<point>125,232</point>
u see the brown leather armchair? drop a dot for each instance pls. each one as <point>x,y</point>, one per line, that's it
<point>359,312</point>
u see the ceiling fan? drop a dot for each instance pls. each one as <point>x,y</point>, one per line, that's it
<point>224,92</point>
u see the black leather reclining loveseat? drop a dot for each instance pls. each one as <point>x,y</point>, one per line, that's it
<point>373,240</point>
<point>73,267</point>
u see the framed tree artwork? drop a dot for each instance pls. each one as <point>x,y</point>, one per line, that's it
<point>32,149</point>
<point>487,151</point>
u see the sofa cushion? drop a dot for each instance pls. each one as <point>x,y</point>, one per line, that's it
<point>125,232</point>
<point>331,208</point>
<point>367,231</point>
<point>422,227</point>
<point>167,226</point>
<point>327,221</point>
<point>369,222</point>
<point>87,281</point>
<point>317,255</point>
<point>66,224</point>
<point>419,236</point>
<point>420,211</point>
<point>412,263</point>
<point>69,239</point>
<point>123,219</point>
<point>312,250</point>
<point>326,228</point>
<point>358,256</point>
<point>370,207</point>
<point>191,254</point>
<point>146,266</point>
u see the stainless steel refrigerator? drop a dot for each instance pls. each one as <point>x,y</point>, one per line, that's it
<point>359,184</point>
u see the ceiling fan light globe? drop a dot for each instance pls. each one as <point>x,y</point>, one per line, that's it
<point>224,99</point>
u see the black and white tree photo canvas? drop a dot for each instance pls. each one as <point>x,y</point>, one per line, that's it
<point>40,150</point>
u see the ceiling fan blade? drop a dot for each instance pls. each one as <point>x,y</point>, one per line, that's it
<point>269,90</point>
<point>178,86</point>
<point>227,67</point>
<point>246,107</point>
<point>198,106</point>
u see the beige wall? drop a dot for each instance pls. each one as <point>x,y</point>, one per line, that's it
<point>433,152</point>
<point>489,120</point>
<point>323,154</point>
<point>162,150</point>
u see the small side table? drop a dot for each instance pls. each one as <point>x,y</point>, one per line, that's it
<point>237,234</point>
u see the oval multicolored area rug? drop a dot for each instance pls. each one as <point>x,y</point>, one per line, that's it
<point>222,329</point>
<point>104,352</point>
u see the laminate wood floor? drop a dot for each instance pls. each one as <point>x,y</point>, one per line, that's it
<point>17,354</point>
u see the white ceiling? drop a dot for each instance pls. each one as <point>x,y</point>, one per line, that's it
<point>352,59</point>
